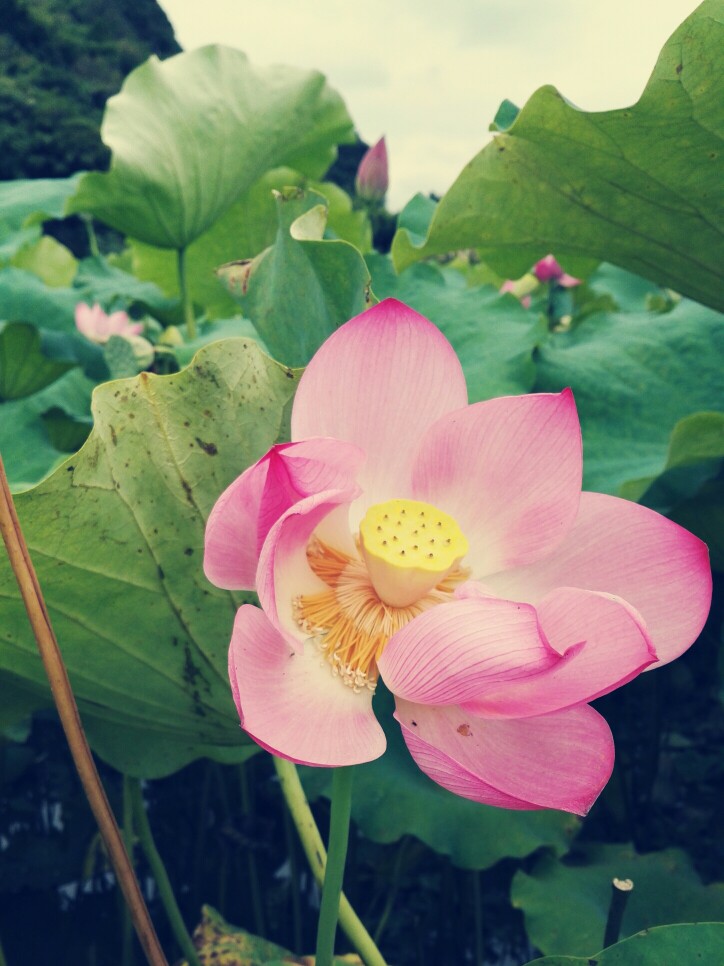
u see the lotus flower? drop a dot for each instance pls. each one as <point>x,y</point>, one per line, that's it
<point>95,325</point>
<point>372,179</point>
<point>446,549</point>
<point>548,270</point>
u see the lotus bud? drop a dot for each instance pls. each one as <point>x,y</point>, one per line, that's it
<point>372,179</point>
<point>548,270</point>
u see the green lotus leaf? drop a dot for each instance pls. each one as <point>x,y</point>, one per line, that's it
<point>298,291</point>
<point>24,368</point>
<point>191,134</point>
<point>116,536</point>
<point>52,262</point>
<point>641,187</point>
<point>566,903</point>
<point>634,376</point>
<point>654,947</point>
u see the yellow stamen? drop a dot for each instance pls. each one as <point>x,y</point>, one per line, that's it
<point>349,623</point>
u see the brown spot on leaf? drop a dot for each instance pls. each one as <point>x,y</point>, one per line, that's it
<point>464,730</point>
<point>679,68</point>
<point>208,448</point>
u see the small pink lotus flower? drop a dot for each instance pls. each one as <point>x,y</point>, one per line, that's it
<point>95,325</point>
<point>548,270</point>
<point>372,179</point>
<point>448,550</point>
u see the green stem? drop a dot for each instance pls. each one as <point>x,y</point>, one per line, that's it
<point>127,833</point>
<point>3,961</point>
<point>392,893</point>
<point>92,237</point>
<point>187,304</point>
<point>316,854</point>
<point>336,858</point>
<point>145,836</point>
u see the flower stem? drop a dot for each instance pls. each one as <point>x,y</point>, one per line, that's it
<point>145,837</point>
<point>186,303</point>
<point>316,854</point>
<point>336,858</point>
<point>252,870</point>
<point>17,550</point>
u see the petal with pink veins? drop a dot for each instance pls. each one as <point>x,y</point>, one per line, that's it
<point>452,653</point>
<point>625,549</point>
<point>248,508</point>
<point>509,471</point>
<point>380,381</point>
<point>560,760</point>
<point>283,572</point>
<point>604,642</point>
<point>292,704</point>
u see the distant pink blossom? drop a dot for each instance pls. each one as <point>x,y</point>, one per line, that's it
<point>446,549</point>
<point>95,325</point>
<point>372,180</point>
<point>548,270</point>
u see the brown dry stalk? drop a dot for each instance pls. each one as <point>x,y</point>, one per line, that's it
<point>24,571</point>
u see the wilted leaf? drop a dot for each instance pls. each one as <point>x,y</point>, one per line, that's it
<point>116,535</point>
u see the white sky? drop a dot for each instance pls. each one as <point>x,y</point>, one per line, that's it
<point>430,74</point>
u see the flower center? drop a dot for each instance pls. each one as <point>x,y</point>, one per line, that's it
<point>409,547</point>
<point>373,595</point>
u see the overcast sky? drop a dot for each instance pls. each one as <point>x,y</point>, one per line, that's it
<point>430,74</point>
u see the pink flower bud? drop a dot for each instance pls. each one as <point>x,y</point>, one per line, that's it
<point>372,178</point>
<point>95,325</point>
<point>548,270</point>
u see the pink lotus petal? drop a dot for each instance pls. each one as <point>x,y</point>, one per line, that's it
<point>291,703</point>
<point>509,471</point>
<point>95,325</point>
<point>247,509</point>
<point>568,281</point>
<point>605,645</point>
<point>560,760</point>
<point>283,572</point>
<point>625,549</point>
<point>379,382</point>
<point>456,651</point>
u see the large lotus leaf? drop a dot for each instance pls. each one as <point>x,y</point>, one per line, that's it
<point>190,134</point>
<point>641,187</point>
<point>634,377</point>
<point>116,535</point>
<point>298,291</point>
<point>566,903</point>
<point>52,262</point>
<point>25,442</point>
<point>33,200</point>
<point>392,797</point>
<point>24,369</point>
<point>99,281</point>
<point>24,298</point>
<point>660,946</point>
<point>493,336</point>
<point>245,230</point>
<point>696,451</point>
